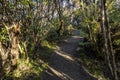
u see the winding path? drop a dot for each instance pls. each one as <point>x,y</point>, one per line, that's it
<point>63,64</point>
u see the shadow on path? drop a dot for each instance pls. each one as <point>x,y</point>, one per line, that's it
<point>63,65</point>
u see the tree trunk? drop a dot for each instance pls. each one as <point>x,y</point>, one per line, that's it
<point>108,43</point>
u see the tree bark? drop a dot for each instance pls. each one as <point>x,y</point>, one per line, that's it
<point>110,57</point>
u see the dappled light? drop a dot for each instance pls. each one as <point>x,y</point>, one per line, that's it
<point>64,65</point>
<point>59,39</point>
<point>59,74</point>
<point>65,55</point>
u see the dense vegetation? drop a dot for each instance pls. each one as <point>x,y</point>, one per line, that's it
<point>30,30</point>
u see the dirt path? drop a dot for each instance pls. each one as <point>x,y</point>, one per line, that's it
<point>63,65</point>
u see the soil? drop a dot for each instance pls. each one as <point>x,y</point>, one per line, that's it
<point>63,64</point>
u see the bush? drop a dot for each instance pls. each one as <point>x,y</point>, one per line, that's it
<point>52,36</point>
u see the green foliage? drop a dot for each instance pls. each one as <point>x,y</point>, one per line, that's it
<point>114,18</point>
<point>94,66</point>
<point>84,34</point>
<point>26,70</point>
<point>88,49</point>
<point>52,36</point>
<point>3,35</point>
<point>33,66</point>
<point>91,29</point>
<point>37,31</point>
<point>32,31</point>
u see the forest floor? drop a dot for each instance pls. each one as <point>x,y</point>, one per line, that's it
<point>63,65</point>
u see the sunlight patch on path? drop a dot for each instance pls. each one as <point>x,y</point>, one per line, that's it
<point>65,55</point>
<point>75,37</point>
<point>59,74</point>
<point>64,65</point>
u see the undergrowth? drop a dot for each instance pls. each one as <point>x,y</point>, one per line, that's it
<point>94,64</point>
<point>32,67</point>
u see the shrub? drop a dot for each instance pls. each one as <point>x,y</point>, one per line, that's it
<point>52,36</point>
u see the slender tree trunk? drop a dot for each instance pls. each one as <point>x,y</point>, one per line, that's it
<point>108,43</point>
<point>59,11</point>
<point>112,56</point>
